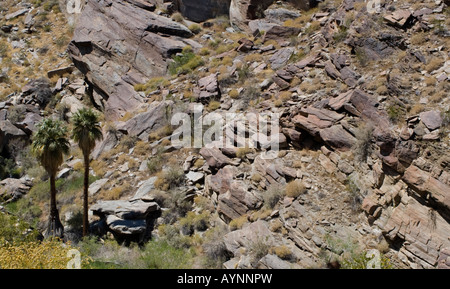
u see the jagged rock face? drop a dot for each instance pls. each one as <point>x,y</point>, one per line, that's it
<point>200,11</point>
<point>242,11</point>
<point>118,44</point>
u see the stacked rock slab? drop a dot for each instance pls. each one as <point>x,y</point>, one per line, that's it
<point>127,220</point>
<point>118,44</point>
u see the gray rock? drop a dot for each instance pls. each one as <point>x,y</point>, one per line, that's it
<point>209,88</point>
<point>145,189</point>
<point>96,186</point>
<point>281,57</point>
<point>432,119</point>
<point>126,227</point>
<point>280,15</point>
<point>13,189</point>
<point>247,237</point>
<point>200,11</point>
<point>143,124</point>
<point>16,14</point>
<point>215,158</point>
<point>12,139</point>
<point>338,138</point>
<point>129,210</point>
<point>271,261</point>
<point>117,44</point>
<point>195,177</point>
<point>64,173</point>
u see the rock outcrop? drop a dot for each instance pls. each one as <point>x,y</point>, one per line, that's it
<point>200,11</point>
<point>128,220</point>
<point>118,44</point>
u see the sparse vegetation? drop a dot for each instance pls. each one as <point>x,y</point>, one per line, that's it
<point>186,62</point>
<point>295,189</point>
<point>363,144</point>
<point>309,193</point>
<point>272,195</point>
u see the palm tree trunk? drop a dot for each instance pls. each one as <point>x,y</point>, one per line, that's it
<point>86,195</point>
<point>55,227</point>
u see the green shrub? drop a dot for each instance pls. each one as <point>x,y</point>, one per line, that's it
<point>395,113</point>
<point>195,28</point>
<point>186,62</point>
<point>161,255</point>
<point>13,230</point>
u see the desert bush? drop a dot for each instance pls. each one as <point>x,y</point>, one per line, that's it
<point>313,27</point>
<point>243,152</point>
<point>185,62</point>
<point>295,189</point>
<point>195,28</point>
<point>234,94</point>
<point>214,248</point>
<point>363,144</point>
<point>259,249</point>
<point>177,17</point>
<point>213,105</point>
<point>434,64</point>
<point>283,252</point>
<point>354,195</point>
<point>170,178</point>
<point>363,260</point>
<point>272,195</point>
<point>13,229</point>
<point>238,223</point>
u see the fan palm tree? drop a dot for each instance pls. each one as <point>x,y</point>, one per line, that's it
<point>50,144</point>
<point>86,131</point>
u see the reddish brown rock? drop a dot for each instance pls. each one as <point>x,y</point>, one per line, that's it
<point>237,201</point>
<point>215,158</point>
<point>118,44</point>
<point>424,183</point>
<point>422,231</point>
<point>338,138</point>
<point>398,18</point>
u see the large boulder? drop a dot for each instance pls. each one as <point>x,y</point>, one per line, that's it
<point>118,44</point>
<point>428,186</point>
<point>242,11</point>
<point>423,232</point>
<point>200,11</point>
<point>243,240</point>
<point>12,139</point>
<point>37,91</point>
<point>127,220</point>
<point>13,189</point>
<point>144,123</point>
<point>237,201</point>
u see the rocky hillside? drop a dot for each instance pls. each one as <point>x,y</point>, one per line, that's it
<point>361,91</point>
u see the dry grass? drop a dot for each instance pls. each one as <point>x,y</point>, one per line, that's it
<point>434,64</point>
<point>283,252</point>
<point>52,34</point>
<point>238,223</point>
<point>295,189</point>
